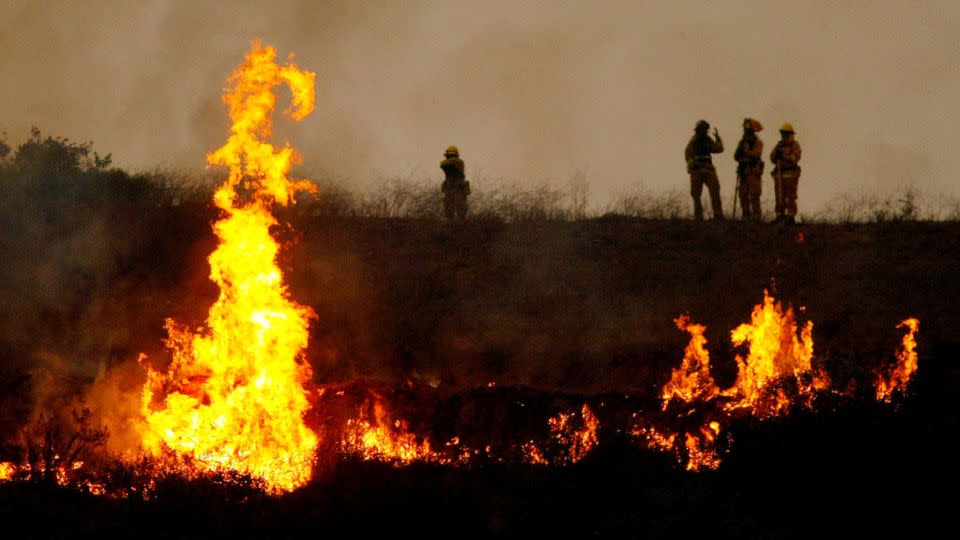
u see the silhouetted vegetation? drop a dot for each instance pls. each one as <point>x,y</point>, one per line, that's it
<point>59,442</point>
<point>56,170</point>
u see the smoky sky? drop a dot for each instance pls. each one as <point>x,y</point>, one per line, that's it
<point>528,90</point>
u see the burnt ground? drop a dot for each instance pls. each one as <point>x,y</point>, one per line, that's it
<point>583,310</point>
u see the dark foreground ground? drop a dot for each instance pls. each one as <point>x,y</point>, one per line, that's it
<point>582,309</point>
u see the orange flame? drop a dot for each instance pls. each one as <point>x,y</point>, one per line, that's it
<point>234,395</point>
<point>578,442</point>
<point>381,440</point>
<point>64,475</point>
<point>570,439</point>
<point>778,351</point>
<point>775,352</point>
<point>532,454</point>
<point>897,379</point>
<point>7,471</point>
<point>654,438</point>
<point>691,381</point>
<point>701,453</point>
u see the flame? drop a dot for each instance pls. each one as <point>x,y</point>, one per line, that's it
<point>381,440</point>
<point>64,475</point>
<point>7,471</point>
<point>654,438</point>
<point>897,379</point>
<point>570,440</point>
<point>775,352</point>
<point>234,395</point>
<point>778,351</point>
<point>691,381</point>
<point>577,442</point>
<point>701,453</point>
<point>532,454</point>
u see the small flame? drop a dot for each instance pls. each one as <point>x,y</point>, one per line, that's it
<point>701,451</point>
<point>898,378</point>
<point>691,381</point>
<point>655,439</point>
<point>577,442</point>
<point>381,440</point>
<point>532,454</point>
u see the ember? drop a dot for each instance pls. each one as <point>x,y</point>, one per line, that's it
<point>700,448</point>
<point>577,442</point>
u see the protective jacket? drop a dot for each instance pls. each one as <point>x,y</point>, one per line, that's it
<point>749,156</point>
<point>786,154</point>
<point>454,170</point>
<point>697,153</point>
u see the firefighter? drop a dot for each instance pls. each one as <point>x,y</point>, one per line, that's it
<point>455,186</point>
<point>786,174</point>
<point>749,158</point>
<point>702,172</point>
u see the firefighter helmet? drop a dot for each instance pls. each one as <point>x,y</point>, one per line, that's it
<point>754,124</point>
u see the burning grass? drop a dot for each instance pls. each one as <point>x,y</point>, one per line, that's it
<point>775,375</point>
<point>691,420</point>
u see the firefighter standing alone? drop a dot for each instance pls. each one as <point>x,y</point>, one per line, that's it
<point>786,174</point>
<point>702,172</point>
<point>455,186</point>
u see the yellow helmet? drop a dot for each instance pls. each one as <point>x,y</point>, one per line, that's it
<point>787,127</point>
<point>451,151</point>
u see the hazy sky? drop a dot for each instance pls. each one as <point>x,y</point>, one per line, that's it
<point>528,90</point>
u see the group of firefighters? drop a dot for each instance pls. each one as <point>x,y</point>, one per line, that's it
<point>698,154</point>
<point>749,157</point>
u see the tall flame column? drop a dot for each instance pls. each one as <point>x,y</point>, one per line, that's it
<point>234,397</point>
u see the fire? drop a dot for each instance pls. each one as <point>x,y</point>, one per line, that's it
<point>234,395</point>
<point>62,474</point>
<point>7,471</point>
<point>655,439</point>
<point>897,379</point>
<point>691,381</point>
<point>577,442</point>
<point>532,454</point>
<point>777,350</point>
<point>701,453</point>
<point>381,440</point>
<point>570,440</point>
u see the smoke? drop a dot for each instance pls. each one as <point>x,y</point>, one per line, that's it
<point>529,90</point>
<point>92,265</point>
